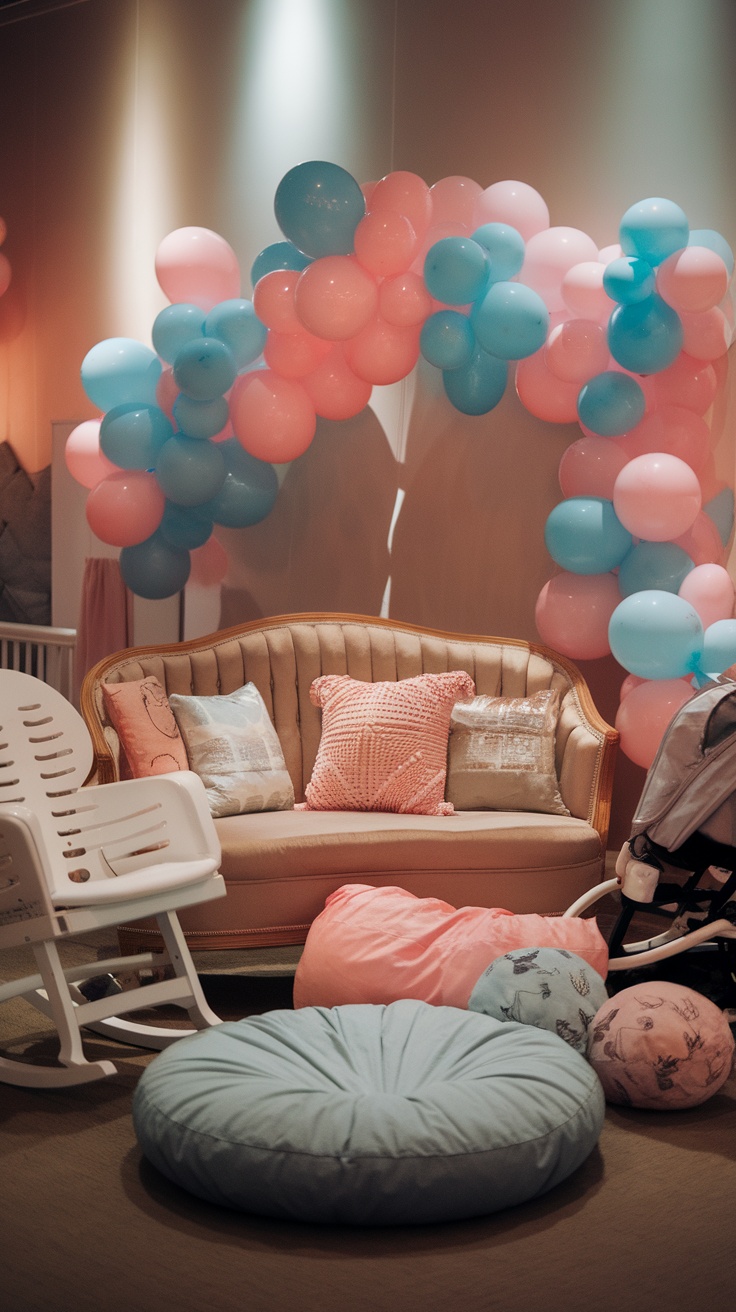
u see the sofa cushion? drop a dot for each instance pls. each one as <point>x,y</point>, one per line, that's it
<point>144,722</point>
<point>384,745</point>
<point>502,754</point>
<point>233,747</point>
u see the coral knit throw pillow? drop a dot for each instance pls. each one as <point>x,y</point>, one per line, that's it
<point>384,745</point>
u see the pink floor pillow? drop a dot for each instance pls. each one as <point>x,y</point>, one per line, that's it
<point>381,944</point>
<point>660,1046</point>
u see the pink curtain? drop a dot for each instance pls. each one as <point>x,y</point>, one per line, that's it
<point>105,616</point>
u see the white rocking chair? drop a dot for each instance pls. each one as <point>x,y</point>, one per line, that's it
<point>74,860</point>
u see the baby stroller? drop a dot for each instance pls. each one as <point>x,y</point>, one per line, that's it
<point>680,862</point>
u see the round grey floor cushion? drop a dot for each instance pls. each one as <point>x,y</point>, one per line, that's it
<point>369,1115</point>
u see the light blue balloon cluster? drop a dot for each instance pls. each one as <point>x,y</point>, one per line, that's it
<point>507,320</point>
<point>204,483</point>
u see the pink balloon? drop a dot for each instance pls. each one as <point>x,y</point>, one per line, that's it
<point>583,292</point>
<point>549,256</point>
<point>590,467</point>
<point>382,353</point>
<point>273,417</point>
<point>404,300</point>
<point>573,612</point>
<point>692,279</point>
<point>86,463</point>
<point>609,253</point>
<point>543,395</point>
<point>671,429</point>
<point>335,297</point>
<point>707,335</point>
<point>657,496</point>
<point>385,243</point>
<point>335,391</point>
<point>630,682</point>
<point>576,350</point>
<point>197,266</point>
<point>710,591</point>
<point>125,508</point>
<point>367,189</point>
<point>455,200</point>
<point>3,231</point>
<point>687,382</point>
<point>514,203</point>
<point>702,541</point>
<point>294,354</point>
<point>6,273</point>
<point>273,300</point>
<point>645,713</point>
<point>167,390</point>
<point>404,193</point>
<point>209,564</point>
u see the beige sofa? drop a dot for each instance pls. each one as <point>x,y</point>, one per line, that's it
<point>279,866</point>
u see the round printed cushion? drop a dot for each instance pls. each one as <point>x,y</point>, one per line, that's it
<point>368,1114</point>
<point>660,1045</point>
<point>550,988</point>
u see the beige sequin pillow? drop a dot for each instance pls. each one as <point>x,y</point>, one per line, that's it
<point>233,747</point>
<point>502,755</point>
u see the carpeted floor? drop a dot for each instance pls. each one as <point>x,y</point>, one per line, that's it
<point>88,1226</point>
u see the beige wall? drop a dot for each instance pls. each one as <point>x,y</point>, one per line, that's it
<point>121,120</point>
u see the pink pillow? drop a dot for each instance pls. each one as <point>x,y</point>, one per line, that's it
<point>149,735</point>
<point>661,1046</point>
<point>384,745</point>
<point>381,944</point>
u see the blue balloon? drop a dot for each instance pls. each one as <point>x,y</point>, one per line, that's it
<point>447,339</point>
<point>132,435</point>
<point>584,535</point>
<point>719,647</point>
<point>714,242</point>
<point>511,321</point>
<point>279,255</point>
<point>645,337</point>
<point>318,206</point>
<point>248,492</point>
<point>476,387</point>
<point>201,419</point>
<point>174,327</point>
<point>455,270</point>
<point>653,229</point>
<point>184,527</point>
<point>119,371</point>
<point>205,369</point>
<point>504,248</point>
<point>653,565</point>
<point>628,280</point>
<point>610,404</point>
<point>190,471</point>
<point>656,635</point>
<point>237,325</point>
<point>721,510</point>
<point>154,569</point>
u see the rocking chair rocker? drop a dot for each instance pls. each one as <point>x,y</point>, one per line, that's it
<point>74,860</point>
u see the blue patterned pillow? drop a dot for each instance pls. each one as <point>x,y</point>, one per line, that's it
<point>549,988</point>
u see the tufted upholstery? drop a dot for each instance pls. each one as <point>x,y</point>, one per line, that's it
<point>281,866</point>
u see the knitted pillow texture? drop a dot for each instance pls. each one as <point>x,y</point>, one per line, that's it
<point>144,722</point>
<point>502,754</point>
<point>384,745</point>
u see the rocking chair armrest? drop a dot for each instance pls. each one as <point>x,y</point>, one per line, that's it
<point>182,790</point>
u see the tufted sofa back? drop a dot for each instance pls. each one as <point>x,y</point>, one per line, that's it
<point>283,654</point>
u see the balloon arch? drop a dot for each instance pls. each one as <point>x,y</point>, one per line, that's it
<point>629,341</point>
